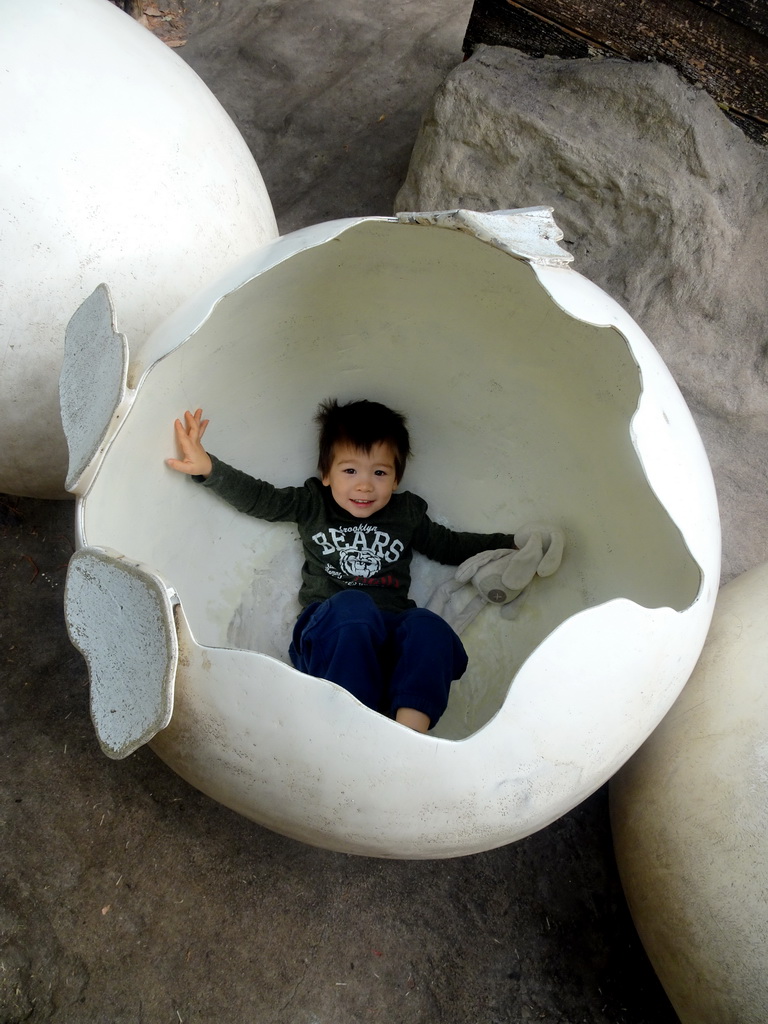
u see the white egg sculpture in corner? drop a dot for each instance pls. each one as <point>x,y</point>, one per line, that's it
<point>690,823</point>
<point>117,164</point>
<point>531,396</point>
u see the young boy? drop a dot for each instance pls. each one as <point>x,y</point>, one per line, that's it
<point>358,626</point>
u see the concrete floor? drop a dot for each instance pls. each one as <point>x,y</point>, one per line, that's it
<point>128,897</point>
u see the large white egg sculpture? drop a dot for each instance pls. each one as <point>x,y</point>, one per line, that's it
<point>117,164</point>
<point>690,823</point>
<point>531,396</point>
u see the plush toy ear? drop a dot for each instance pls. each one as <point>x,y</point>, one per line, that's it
<point>441,597</point>
<point>441,604</point>
<point>553,553</point>
<point>553,543</point>
<point>521,565</point>
<point>470,566</point>
<point>469,613</point>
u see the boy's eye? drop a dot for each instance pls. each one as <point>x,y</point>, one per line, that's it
<point>381,472</point>
<point>348,470</point>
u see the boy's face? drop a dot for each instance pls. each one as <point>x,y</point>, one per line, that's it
<point>360,482</point>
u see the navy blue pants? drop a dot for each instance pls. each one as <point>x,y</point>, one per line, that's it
<point>388,660</point>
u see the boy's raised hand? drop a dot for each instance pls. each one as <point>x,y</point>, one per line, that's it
<point>195,460</point>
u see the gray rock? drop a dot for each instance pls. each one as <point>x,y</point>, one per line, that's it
<point>662,201</point>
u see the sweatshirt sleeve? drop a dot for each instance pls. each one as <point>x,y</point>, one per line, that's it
<point>256,497</point>
<point>452,547</point>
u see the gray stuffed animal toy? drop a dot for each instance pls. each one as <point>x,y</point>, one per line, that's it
<point>500,576</point>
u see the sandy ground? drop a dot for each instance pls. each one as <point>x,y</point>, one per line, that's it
<point>130,898</point>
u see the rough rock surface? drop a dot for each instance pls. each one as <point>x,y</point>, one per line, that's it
<point>661,200</point>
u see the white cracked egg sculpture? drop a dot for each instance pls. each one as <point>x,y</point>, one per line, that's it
<point>531,395</point>
<point>690,823</point>
<point>117,164</point>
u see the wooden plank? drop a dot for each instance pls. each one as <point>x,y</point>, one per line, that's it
<point>495,23</point>
<point>749,13</point>
<point>728,59</point>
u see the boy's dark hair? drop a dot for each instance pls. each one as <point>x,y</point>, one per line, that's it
<point>361,424</point>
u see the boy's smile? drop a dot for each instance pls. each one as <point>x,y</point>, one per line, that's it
<point>362,482</point>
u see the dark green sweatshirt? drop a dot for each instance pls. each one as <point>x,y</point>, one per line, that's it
<point>341,550</point>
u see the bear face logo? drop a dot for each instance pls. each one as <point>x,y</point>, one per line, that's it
<point>359,563</point>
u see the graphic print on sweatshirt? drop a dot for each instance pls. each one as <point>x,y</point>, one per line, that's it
<point>360,553</point>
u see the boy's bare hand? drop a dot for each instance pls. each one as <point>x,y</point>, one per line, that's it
<point>195,460</point>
